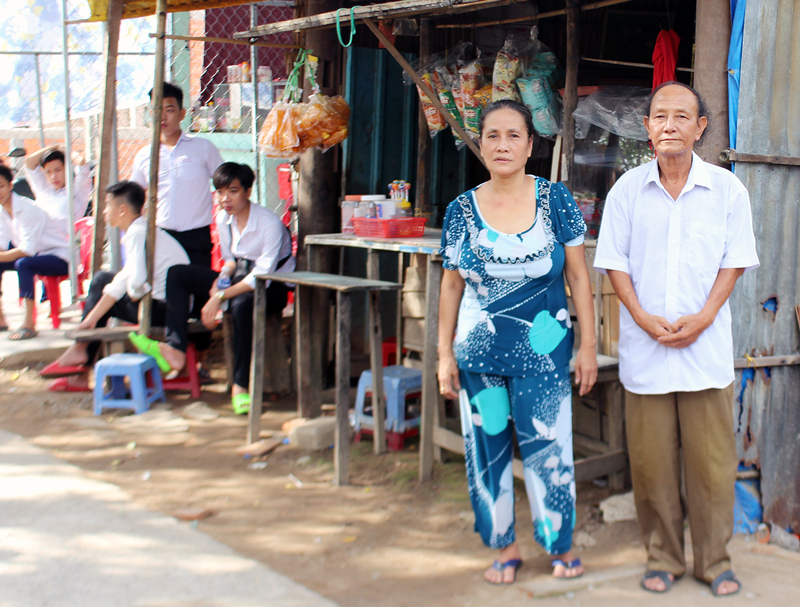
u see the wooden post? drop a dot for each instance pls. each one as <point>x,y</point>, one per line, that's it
<point>309,350</point>
<point>257,361</point>
<point>109,108</point>
<point>423,190</point>
<point>571,90</point>
<point>399,321</point>
<point>712,39</point>
<point>341,455</point>
<point>155,152</point>
<point>430,388</point>
<point>376,356</point>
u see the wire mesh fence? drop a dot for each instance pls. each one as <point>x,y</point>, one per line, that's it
<point>217,79</point>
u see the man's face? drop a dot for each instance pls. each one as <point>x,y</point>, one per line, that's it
<point>171,116</point>
<point>54,171</point>
<point>5,190</point>
<point>114,211</point>
<point>234,198</point>
<point>673,125</point>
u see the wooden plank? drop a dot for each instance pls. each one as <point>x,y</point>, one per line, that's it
<point>108,109</point>
<point>766,361</point>
<point>415,278</point>
<point>155,152</point>
<point>414,329</point>
<point>307,384</point>
<point>534,17</point>
<point>331,281</point>
<point>257,362</point>
<point>422,189</point>
<point>341,455</point>
<point>386,10</point>
<point>413,304</point>
<point>731,155</point>
<point>228,41</point>
<point>432,97</point>
<point>376,357</point>
<point>426,245</point>
<point>399,318</point>
<point>430,388</point>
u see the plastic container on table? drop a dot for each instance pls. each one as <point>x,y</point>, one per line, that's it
<point>396,227</point>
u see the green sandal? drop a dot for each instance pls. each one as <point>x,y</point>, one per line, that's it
<point>241,404</point>
<point>148,346</point>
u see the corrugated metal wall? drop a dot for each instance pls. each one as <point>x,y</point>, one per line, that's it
<point>768,403</point>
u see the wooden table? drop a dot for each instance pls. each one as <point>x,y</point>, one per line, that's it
<point>427,245</point>
<point>344,286</point>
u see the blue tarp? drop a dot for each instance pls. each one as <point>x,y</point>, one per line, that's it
<point>735,65</point>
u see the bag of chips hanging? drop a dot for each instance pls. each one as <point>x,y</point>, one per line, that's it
<point>433,117</point>
<point>470,85</point>
<point>278,137</point>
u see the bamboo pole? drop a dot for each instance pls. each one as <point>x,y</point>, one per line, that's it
<point>227,41</point>
<point>108,111</point>
<point>570,91</point>
<point>537,17</point>
<point>155,152</point>
<point>73,268</point>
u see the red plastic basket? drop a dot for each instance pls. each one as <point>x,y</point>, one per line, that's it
<point>396,227</point>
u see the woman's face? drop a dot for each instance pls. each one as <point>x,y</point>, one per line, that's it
<point>505,143</point>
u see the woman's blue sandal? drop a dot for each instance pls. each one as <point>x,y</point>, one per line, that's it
<point>515,563</point>
<point>148,346</point>
<point>573,564</point>
<point>664,576</point>
<point>727,576</point>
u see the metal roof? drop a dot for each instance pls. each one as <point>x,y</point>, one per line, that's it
<point>768,401</point>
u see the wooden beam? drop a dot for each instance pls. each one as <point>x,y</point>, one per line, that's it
<point>730,155</point>
<point>155,152</point>
<point>631,64</point>
<point>423,182</point>
<point>376,356</point>
<point>341,456</point>
<point>433,97</point>
<point>766,361</point>
<point>570,91</point>
<point>430,357</point>
<point>257,361</point>
<point>110,46</point>
<point>228,41</point>
<point>536,17</point>
<point>401,8</point>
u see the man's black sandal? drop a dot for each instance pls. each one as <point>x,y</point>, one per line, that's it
<point>661,575</point>
<point>727,576</point>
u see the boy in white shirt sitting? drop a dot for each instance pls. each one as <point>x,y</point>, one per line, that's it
<point>118,295</point>
<point>252,239</point>
<point>34,243</point>
<point>46,170</point>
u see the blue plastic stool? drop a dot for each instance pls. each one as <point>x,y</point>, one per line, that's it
<point>135,367</point>
<point>398,383</point>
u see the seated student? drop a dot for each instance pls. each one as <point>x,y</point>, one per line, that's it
<point>48,178</point>
<point>32,243</point>
<point>118,295</point>
<point>252,239</point>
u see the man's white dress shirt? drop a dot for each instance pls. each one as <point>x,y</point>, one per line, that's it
<point>132,278</point>
<point>55,202</point>
<point>184,182</point>
<point>264,240</point>
<point>673,251</point>
<point>32,230</point>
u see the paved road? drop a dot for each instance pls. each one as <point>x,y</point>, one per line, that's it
<point>69,541</point>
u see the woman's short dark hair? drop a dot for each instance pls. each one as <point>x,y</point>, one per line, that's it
<point>702,109</point>
<point>6,173</point>
<point>508,104</point>
<point>228,171</point>
<point>51,156</point>
<point>130,192</point>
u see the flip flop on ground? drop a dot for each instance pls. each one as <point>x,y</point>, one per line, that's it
<point>664,576</point>
<point>22,333</point>
<point>568,566</point>
<point>55,369</point>
<point>727,576</point>
<point>513,563</point>
<point>62,384</point>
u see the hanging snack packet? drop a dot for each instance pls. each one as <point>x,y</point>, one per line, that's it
<point>435,120</point>
<point>322,122</point>
<point>278,136</point>
<point>470,84</point>
<point>484,95</point>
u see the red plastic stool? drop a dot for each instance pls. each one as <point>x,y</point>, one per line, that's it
<point>389,351</point>
<point>190,381</point>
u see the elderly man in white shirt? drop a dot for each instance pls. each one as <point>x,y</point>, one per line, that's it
<point>676,235</point>
<point>186,165</point>
<point>46,171</point>
<point>31,243</point>
<point>118,295</point>
<point>252,239</point>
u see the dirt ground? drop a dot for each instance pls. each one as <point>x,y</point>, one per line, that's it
<point>384,540</point>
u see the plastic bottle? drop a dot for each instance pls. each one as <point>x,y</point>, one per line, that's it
<point>224,279</point>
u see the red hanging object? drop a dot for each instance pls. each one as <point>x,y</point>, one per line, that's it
<point>665,57</point>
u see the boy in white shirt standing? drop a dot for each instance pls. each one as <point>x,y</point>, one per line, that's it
<point>252,239</point>
<point>35,243</point>
<point>118,295</point>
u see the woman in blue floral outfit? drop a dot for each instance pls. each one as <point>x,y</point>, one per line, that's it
<point>505,340</point>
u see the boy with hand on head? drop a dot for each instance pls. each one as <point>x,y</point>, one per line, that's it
<point>35,244</point>
<point>46,170</point>
<point>186,165</point>
<point>118,295</point>
<point>252,239</point>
